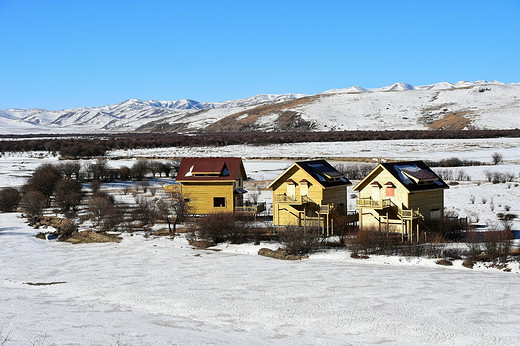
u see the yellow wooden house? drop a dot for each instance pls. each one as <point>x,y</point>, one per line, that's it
<point>400,197</point>
<point>307,194</point>
<point>212,185</point>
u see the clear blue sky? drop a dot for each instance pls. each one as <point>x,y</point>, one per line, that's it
<point>57,54</point>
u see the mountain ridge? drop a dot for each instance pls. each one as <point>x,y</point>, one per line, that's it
<point>478,104</point>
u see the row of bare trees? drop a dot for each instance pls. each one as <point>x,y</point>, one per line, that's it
<point>92,146</point>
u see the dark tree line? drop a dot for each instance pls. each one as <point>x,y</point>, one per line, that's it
<point>97,145</point>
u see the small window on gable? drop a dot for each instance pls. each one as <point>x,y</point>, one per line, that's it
<point>225,171</point>
<point>390,189</point>
<point>219,202</point>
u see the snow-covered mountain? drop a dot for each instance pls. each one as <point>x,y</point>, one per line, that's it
<point>479,105</point>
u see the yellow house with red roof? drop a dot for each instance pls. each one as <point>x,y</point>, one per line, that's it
<point>212,185</point>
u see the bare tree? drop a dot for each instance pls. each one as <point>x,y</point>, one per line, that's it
<point>177,207</point>
<point>70,169</point>
<point>155,167</point>
<point>68,195</point>
<point>33,203</point>
<point>9,199</point>
<point>140,169</point>
<point>145,211</point>
<point>44,179</point>
<point>497,158</point>
<point>106,211</point>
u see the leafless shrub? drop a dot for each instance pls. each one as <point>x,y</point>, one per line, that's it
<point>299,241</point>
<point>355,172</point>
<point>66,230</point>
<point>484,200</point>
<point>445,174</point>
<point>140,169</point>
<point>435,248</point>
<point>462,176</point>
<point>174,210</point>
<point>33,203</point>
<point>342,228</point>
<point>71,169</point>
<point>489,175</point>
<point>498,245</point>
<point>373,241</point>
<point>453,162</point>
<point>449,226</point>
<point>472,199</point>
<point>214,227</point>
<point>491,206</point>
<point>145,184</point>
<point>106,211</point>
<point>473,242</point>
<point>9,199</point>
<point>497,158</point>
<point>507,207</point>
<point>145,212</point>
<point>95,185</point>
<point>68,194</point>
<point>44,179</point>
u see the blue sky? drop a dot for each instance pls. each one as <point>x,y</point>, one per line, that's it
<point>59,54</point>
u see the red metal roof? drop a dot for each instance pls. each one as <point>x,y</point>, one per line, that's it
<point>191,166</point>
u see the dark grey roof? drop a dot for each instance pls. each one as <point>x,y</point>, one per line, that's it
<point>324,173</point>
<point>427,179</point>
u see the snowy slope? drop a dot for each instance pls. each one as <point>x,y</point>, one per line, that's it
<point>400,106</point>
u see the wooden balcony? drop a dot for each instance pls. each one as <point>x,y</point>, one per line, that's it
<point>410,214</point>
<point>403,213</point>
<point>368,202</point>
<point>251,209</point>
<point>292,200</point>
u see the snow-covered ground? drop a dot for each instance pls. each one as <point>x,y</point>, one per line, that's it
<point>427,149</point>
<point>146,291</point>
<point>159,291</point>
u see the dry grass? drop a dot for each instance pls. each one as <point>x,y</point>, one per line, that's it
<point>245,120</point>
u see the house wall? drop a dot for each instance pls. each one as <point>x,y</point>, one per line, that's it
<point>400,197</point>
<point>336,196</point>
<point>285,214</point>
<point>201,196</point>
<point>425,201</point>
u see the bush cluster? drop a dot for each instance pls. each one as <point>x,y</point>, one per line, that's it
<point>220,227</point>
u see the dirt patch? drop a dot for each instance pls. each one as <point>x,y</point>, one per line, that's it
<point>93,237</point>
<point>444,262</point>
<point>280,254</point>
<point>452,121</point>
<point>246,120</point>
<point>162,232</point>
<point>201,244</point>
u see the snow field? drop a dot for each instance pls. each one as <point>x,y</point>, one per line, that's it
<point>159,291</point>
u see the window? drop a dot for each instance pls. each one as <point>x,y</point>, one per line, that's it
<point>187,200</point>
<point>291,189</point>
<point>219,202</point>
<point>390,192</point>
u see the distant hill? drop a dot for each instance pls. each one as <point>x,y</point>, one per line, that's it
<point>401,106</point>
